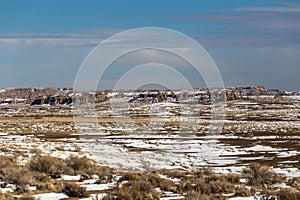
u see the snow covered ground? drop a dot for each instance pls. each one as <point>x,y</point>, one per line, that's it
<point>172,136</point>
<point>160,135</point>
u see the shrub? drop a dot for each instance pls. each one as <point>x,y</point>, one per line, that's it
<point>131,177</point>
<point>174,173</point>
<point>6,161</point>
<point>87,167</point>
<point>165,184</point>
<point>79,164</point>
<point>47,164</point>
<point>153,179</point>
<point>288,194</point>
<point>74,190</point>
<point>243,192</point>
<point>133,190</point>
<point>204,171</point>
<point>105,173</point>
<point>140,186</point>
<point>18,175</point>
<point>233,178</point>
<point>260,175</point>
<point>295,182</point>
<point>5,196</point>
<point>11,172</point>
<point>207,184</point>
<point>46,184</point>
<point>196,196</point>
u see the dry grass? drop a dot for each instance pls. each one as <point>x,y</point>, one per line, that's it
<point>138,186</point>
<point>196,196</point>
<point>134,190</point>
<point>152,178</point>
<point>173,173</point>
<point>43,170</point>
<point>212,187</point>
<point>5,196</point>
<point>204,183</point>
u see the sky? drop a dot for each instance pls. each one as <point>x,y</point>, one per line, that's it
<point>43,43</point>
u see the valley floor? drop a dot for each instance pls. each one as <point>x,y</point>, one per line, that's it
<point>150,137</point>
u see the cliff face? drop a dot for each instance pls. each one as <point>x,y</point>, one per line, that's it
<point>26,93</point>
<point>36,96</point>
<point>52,100</point>
<point>66,96</point>
<point>50,96</point>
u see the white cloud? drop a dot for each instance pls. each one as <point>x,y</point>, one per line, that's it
<point>261,26</point>
<point>76,39</point>
<point>289,7</point>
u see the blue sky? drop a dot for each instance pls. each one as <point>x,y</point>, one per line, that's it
<point>42,43</point>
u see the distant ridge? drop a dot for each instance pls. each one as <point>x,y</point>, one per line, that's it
<point>65,96</point>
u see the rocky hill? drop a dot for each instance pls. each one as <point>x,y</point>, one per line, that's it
<point>66,96</point>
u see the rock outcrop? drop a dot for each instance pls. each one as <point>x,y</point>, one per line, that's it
<point>66,96</point>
